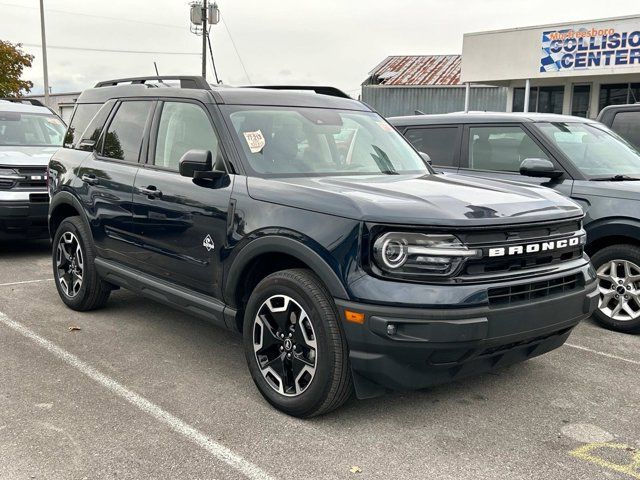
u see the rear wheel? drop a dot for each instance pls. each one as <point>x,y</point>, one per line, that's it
<point>295,348</point>
<point>77,280</point>
<point>618,270</point>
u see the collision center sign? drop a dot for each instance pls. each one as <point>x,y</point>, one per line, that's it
<point>586,47</point>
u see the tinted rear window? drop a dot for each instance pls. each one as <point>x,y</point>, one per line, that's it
<point>124,134</point>
<point>627,125</point>
<point>439,143</point>
<point>81,117</point>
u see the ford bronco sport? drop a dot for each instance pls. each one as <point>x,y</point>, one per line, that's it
<point>303,220</point>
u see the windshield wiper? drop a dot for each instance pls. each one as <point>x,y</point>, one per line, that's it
<point>383,162</point>
<point>616,178</point>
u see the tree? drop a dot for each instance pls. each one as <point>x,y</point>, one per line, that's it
<point>12,62</point>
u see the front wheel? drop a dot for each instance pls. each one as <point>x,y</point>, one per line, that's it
<point>294,345</point>
<point>77,280</point>
<point>618,270</point>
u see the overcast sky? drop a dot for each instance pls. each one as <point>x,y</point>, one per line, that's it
<point>334,42</point>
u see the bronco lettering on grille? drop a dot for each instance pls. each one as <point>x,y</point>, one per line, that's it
<point>534,247</point>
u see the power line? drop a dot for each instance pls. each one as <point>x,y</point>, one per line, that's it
<point>224,21</point>
<point>61,47</point>
<point>53,10</point>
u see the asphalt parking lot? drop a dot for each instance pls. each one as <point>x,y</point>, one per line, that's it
<point>141,391</point>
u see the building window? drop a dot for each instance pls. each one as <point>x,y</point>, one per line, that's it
<point>614,94</point>
<point>541,99</point>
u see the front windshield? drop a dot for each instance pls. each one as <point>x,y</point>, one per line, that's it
<point>315,141</point>
<point>30,130</point>
<point>595,150</point>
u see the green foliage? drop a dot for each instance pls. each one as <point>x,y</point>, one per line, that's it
<point>12,62</point>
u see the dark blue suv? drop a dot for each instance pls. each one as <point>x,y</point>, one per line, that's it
<point>303,220</point>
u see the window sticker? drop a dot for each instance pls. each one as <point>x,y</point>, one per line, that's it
<point>385,126</point>
<point>255,141</point>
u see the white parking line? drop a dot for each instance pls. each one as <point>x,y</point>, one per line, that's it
<point>207,443</point>
<point>26,281</point>
<point>608,355</point>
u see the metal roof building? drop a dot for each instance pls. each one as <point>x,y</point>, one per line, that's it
<point>404,84</point>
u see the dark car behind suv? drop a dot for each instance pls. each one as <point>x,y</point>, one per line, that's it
<point>624,120</point>
<point>306,222</point>
<point>579,158</point>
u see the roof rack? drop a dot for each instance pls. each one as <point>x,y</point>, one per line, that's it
<point>186,81</point>
<point>319,89</point>
<point>32,101</point>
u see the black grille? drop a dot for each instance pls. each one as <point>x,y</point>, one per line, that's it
<point>509,236</point>
<point>33,177</point>
<point>502,296</point>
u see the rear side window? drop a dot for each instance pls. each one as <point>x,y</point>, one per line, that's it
<point>440,143</point>
<point>501,148</point>
<point>81,117</point>
<point>123,138</point>
<point>627,125</point>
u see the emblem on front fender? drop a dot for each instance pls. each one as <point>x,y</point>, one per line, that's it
<point>208,243</point>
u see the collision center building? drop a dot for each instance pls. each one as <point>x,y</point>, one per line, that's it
<point>573,68</point>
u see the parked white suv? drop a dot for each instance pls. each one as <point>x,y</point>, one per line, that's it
<point>30,133</point>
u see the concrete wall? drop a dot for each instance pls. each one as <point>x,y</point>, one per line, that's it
<point>396,101</point>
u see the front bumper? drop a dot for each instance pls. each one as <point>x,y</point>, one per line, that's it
<point>24,216</point>
<point>405,348</point>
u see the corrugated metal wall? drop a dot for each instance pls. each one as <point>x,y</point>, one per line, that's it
<point>393,101</point>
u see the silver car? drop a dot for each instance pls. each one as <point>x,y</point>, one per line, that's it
<point>29,136</point>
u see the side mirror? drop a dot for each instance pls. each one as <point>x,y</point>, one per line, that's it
<point>539,167</point>
<point>426,157</point>
<point>197,164</point>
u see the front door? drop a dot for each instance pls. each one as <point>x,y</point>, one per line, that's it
<point>497,150</point>
<point>180,224</point>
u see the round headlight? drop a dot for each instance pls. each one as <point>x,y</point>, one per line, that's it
<point>393,252</point>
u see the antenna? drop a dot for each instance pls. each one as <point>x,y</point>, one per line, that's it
<point>157,74</point>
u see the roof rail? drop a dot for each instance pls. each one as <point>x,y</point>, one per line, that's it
<point>319,89</point>
<point>186,81</point>
<point>33,101</point>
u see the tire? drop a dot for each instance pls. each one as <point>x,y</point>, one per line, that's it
<point>311,373</point>
<point>73,254</point>
<point>618,268</point>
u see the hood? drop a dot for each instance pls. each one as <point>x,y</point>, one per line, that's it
<point>628,190</point>
<point>443,200</point>
<point>26,156</point>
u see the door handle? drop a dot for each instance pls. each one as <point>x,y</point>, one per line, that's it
<point>151,191</point>
<point>90,179</point>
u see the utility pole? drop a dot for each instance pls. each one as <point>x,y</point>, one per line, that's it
<point>204,39</point>
<point>44,54</point>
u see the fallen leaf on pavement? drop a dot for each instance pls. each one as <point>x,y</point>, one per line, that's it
<point>355,469</point>
<point>74,328</point>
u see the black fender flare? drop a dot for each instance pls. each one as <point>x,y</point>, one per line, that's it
<point>66,198</point>
<point>275,244</point>
<point>613,227</point>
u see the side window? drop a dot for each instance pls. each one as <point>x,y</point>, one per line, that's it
<point>183,127</point>
<point>124,134</point>
<point>627,125</point>
<point>93,131</point>
<point>501,148</point>
<point>82,115</point>
<point>440,143</point>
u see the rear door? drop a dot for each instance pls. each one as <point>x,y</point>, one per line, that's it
<point>440,142</point>
<point>180,223</point>
<point>497,150</point>
<point>108,175</point>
